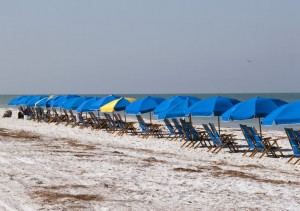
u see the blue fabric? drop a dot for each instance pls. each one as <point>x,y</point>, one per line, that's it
<point>42,102</point>
<point>23,100</point>
<point>212,106</point>
<point>102,101</point>
<point>59,101</point>
<point>74,103</point>
<point>293,141</point>
<point>178,110</point>
<point>256,107</point>
<point>144,105</point>
<point>167,104</point>
<point>14,100</point>
<point>121,104</point>
<point>286,114</point>
<point>85,106</point>
<point>35,99</point>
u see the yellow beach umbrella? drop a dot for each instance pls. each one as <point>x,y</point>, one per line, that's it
<point>117,105</point>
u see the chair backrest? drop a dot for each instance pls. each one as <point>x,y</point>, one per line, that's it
<point>247,136</point>
<point>169,126</point>
<point>178,126</point>
<point>94,118</point>
<point>120,121</point>
<point>186,129</point>
<point>193,131</point>
<point>211,135</point>
<point>110,120</point>
<point>297,134</point>
<point>142,123</point>
<point>294,141</point>
<point>256,138</point>
<point>213,129</point>
<point>71,113</point>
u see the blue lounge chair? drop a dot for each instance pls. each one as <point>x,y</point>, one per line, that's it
<point>265,145</point>
<point>249,140</point>
<point>193,135</point>
<point>179,129</point>
<point>294,140</point>
<point>112,126</point>
<point>218,142</point>
<point>126,127</point>
<point>149,129</point>
<point>173,133</point>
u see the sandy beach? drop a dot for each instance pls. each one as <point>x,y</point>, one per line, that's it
<point>54,167</point>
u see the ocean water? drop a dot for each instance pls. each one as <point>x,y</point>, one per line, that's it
<point>288,97</point>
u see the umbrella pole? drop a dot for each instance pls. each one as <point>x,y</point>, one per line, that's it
<point>219,124</point>
<point>150,118</point>
<point>190,119</point>
<point>98,114</point>
<point>259,119</point>
<point>125,115</point>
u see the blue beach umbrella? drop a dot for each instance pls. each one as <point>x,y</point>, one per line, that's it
<point>23,100</point>
<point>15,100</point>
<point>45,102</point>
<point>34,100</point>
<point>102,101</point>
<point>286,114</point>
<point>85,106</point>
<point>178,110</point>
<point>214,106</point>
<point>257,107</point>
<point>74,103</point>
<point>59,101</point>
<point>167,104</point>
<point>144,105</point>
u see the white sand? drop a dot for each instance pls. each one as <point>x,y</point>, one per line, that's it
<point>79,169</point>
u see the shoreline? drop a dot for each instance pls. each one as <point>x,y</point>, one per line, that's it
<point>47,166</point>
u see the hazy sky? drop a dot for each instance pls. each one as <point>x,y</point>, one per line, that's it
<point>157,46</point>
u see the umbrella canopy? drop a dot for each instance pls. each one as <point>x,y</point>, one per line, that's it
<point>74,103</point>
<point>102,101</point>
<point>21,100</point>
<point>14,100</point>
<point>167,104</point>
<point>214,106</point>
<point>34,99</point>
<point>45,102</point>
<point>60,100</point>
<point>257,107</point>
<point>144,105</point>
<point>117,105</point>
<point>286,114</point>
<point>85,106</point>
<point>178,110</point>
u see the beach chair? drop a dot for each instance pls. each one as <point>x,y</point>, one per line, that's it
<point>249,139</point>
<point>54,117</point>
<point>126,127</point>
<point>84,122</point>
<point>228,138</point>
<point>264,145</point>
<point>294,140</point>
<point>187,134</point>
<point>173,134</point>
<point>218,142</point>
<point>98,123</point>
<point>112,125</point>
<point>47,115</point>
<point>149,129</point>
<point>179,129</point>
<point>197,136</point>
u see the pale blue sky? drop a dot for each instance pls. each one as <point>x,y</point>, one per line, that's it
<point>157,46</point>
